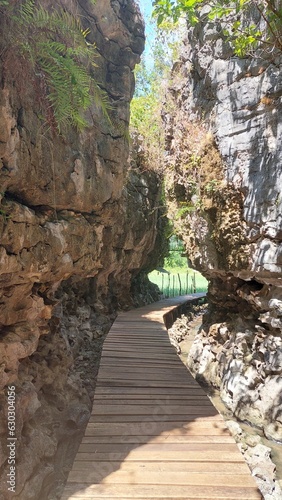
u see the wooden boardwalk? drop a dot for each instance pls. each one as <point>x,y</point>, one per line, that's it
<point>153,433</point>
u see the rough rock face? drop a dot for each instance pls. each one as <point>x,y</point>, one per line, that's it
<point>224,189</point>
<point>77,226</point>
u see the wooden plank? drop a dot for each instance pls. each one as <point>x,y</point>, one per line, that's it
<point>145,394</point>
<point>160,477</point>
<point>114,397</point>
<point>129,409</point>
<point>224,468</point>
<point>163,345</point>
<point>139,348</point>
<point>157,439</point>
<point>149,372</point>
<point>108,382</point>
<point>160,491</point>
<point>159,448</point>
<point>129,368</point>
<point>169,365</point>
<point>135,354</point>
<point>79,497</point>
<point>154,428</point>
<point>151,401</point>
<point>145,375</point>
<point>157,416</point>
<point>137,376</point>
<point>161,339</point>
<point>129,360</point>
<point>145,345</point>
<point>124,372</point>
<point>161,456</point>
<point>154,351</point>
<point>126,357</point>
<point>154,347</point>
<point>144,382</point>
<point>159,391</point>
<point>146,352</point>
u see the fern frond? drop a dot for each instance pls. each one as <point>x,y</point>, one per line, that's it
<point>26,12</point>
<point>56,44</point>
<point>85,32</point>
<point>101,100</point>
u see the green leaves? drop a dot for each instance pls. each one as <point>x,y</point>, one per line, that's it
<point>174,9</point>
<point>55,44</point>
<point>69,84</point>
<point>267,33</point>
<point>250,38</point>
<point>146,106</point>
<point>219,11</point>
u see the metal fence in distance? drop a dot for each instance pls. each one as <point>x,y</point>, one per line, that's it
<point>179,283</point>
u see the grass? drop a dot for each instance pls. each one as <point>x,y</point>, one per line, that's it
<point>178,281</point>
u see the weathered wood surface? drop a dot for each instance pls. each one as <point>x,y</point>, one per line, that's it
<point>153,432</point>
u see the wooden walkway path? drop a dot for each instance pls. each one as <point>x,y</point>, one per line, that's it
<point>153,433</point>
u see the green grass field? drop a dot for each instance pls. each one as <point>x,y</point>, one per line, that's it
<point>179,282</point>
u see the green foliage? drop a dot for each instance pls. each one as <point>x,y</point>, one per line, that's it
<point>184,210</point>
<point>236,17</point>
<point>4,215</point>
<point>151,84</point>
<point>175,261</point>
<point>194,162</point>
<point>211,186</point>
<point>169,284</point>
<point>146,122</point>
<point>174,9</point>
<point>56,45</point>
<point>175,258</point>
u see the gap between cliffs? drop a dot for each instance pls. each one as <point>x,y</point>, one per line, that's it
<point>81,227</point>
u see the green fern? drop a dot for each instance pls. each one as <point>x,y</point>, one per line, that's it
<point>56,45</point>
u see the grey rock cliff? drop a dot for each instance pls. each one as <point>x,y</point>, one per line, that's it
<point>224,184</point>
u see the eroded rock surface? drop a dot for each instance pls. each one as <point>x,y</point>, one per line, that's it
<point>224,154</point>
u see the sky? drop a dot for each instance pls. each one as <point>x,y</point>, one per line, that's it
<point>146,9</point>
<point>146,6</point>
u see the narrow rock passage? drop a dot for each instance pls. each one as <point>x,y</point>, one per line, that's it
<point>153,432</point>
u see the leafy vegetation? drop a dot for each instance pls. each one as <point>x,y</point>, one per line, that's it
<point>176,259</point>
<point>185,208</point>
<point>247,24</point>
<point>146,106</point>
<point>146,121</point>
<point>55,44</point>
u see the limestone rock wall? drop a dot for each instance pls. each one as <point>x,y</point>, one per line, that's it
<point>77,225</point>
<point>224,154</point>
